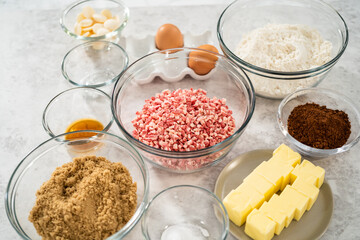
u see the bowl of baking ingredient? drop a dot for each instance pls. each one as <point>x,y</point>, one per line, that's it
<point>94,64</point>
<point>57,192</point>
<point>319,122</point>
<point>283,45</point>
<point>179,120</point>
<point>185,212</point>
<point>80,108</point>
<point>95,19</point>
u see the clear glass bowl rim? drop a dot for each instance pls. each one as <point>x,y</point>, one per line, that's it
<point>313,71</point>
<point>44,122</point>
<point>143,168</point>
<point>308,148</point>
<point>226,216</point>
<point>108,35</point>
<point>124,55</point>
<point>187,154</point>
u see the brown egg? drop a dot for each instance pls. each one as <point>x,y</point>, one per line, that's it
<point>168,36</point>
<point>203,62</point>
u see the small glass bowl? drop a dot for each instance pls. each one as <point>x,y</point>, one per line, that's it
<point>185,212</point>
<point>332,100</point>
<point>169,69</point>
<point>94,64</point>
<point>75,104</point>
<point>243,16</point>
<point>116,7</point>
<point>38,165</point>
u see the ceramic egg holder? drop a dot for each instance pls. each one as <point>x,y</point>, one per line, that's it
<point>169,72</point>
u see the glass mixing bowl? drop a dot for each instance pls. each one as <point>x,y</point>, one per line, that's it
<point>94,64</point>
<point>243,16</point>
<point>116,7</point>
<point>324,97</point>
<point>169,69</point>
<point>185,212</point>
<point>77,104</point>
<point>38,165</point>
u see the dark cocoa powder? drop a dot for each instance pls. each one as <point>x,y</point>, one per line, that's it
<point>319,127</point>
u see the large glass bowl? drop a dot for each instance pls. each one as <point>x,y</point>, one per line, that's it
<point>116,7</point>
<point>38,165</point>
<point>185,212</point>
<point>324,97</point>
<point>243,16</point>
<point>168,69</point>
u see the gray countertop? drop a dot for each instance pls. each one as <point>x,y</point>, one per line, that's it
<point>33,46</point>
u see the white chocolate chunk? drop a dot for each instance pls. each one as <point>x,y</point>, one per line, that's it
<point>80,17</point>
<point>86,34</point>
<point>88,29</point>
<point>78,29</point>
<point>106,13</point>
<point>86,22</point>
<point>102,31</point>
<point>92,24</point>
<point>97,26</point>
<point>111,24</point>
<point>88,11</point>
<point>99,18</point>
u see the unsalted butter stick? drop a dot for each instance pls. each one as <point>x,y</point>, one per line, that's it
<point>265,180</point>
<point>296,199</point>
<point>277,216</point>
<point>266,170</point>
<point>299,185</point>
<point>275,172</point>
<point>307,189</point>
<point>284,170</point>
<point>256,198</point>
<point>286,155</point>
<point>262,185</point>
<point>308,172</point>
<point>259,226</point>
<point>237,206</point>
<point>292,203</point>
<point>240,202</point>
<point>282,207</point>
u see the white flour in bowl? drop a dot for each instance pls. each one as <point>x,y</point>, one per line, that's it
<point>286,48</point>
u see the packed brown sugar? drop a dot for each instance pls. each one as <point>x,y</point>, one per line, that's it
<point>88,198</point>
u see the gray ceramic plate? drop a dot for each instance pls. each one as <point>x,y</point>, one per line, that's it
<point>313,223</point>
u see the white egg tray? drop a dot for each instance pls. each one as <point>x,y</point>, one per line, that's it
<point>139,47</point>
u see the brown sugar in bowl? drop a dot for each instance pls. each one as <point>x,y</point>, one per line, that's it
<point>37,167</point>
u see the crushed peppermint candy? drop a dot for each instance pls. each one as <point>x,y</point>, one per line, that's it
<point>183,120</point>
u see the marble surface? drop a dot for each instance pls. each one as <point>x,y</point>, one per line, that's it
<point>33,46</point>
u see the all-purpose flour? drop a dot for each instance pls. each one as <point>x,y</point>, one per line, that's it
<point>284,47</point>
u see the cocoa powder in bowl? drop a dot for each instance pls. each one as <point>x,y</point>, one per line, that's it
<point>88,198</point>
<point>319,127</point>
